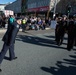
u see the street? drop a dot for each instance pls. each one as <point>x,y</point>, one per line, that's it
<point>38,54</point>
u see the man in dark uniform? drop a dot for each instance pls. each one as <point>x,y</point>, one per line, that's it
<point>75,28</point>
<point>71,34</point>
<point>60,29</point>
<point>59,32</point>
<point>63,28</point>
<point>57,28</point>
<point>9,40</point>
<point>65,22</point>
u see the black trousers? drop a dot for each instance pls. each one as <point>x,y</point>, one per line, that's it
<point>71,40</point>
<point>4,51</point>
<point>59,37</point>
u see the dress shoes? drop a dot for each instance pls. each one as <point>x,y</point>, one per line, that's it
<point>0,70</point>
<point>13,58</point>
<point>69,49</point>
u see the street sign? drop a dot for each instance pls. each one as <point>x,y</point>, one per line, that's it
<point>53,24</point>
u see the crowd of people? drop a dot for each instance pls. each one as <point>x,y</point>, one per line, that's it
<point>28,22</point>
<point>35,23</point>
<point>66,25</point>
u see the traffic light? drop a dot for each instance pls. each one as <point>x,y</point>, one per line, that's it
<point>69,9</point>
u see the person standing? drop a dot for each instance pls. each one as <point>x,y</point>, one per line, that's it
<point>74,17</point>
<point>9,40</point>
<point>23,24</point>
<point>11,19</point>
<point>63,28</point>
<point>59,31</point>
<point>71,34</point>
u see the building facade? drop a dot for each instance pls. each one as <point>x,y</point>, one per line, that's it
<point>38,5</point>
<point>2,7</point>
<point>42,6</point>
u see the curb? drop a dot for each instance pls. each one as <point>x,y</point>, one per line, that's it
<point>4,30</point>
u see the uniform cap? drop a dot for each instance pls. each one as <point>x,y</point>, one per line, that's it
<point>74,16</point>
<point>64,16</point>
<point>18,18</point>
<point>59,17</point>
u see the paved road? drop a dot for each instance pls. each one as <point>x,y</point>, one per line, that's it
<point>39,55</point>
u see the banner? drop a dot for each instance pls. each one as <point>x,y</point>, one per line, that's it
<point>45,8</point>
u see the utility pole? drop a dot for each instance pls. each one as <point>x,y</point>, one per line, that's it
<point>51,6</point>
<point>49,9</point>
<point>54,12</point>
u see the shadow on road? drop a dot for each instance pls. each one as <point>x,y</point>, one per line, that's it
<point>65,38</point>
<point>38,41</point>
<point>65,67</point>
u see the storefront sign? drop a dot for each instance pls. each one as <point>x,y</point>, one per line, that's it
<point>45,8</point>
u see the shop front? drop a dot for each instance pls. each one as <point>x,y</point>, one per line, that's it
<point>40,11</point>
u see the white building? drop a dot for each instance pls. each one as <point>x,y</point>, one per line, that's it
<point>2,7</point>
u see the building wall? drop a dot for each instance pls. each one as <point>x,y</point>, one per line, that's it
<point>62,6</point>
<point>23,6</point>
<point>37,3</point>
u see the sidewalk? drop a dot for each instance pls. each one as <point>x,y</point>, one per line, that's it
<point>3,30</point>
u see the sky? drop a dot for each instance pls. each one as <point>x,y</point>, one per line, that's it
<point>6,1</point>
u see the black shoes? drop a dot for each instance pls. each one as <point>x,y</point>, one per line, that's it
<point>0,70</point>
<point>69,49</point>
<point>13,58</point>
